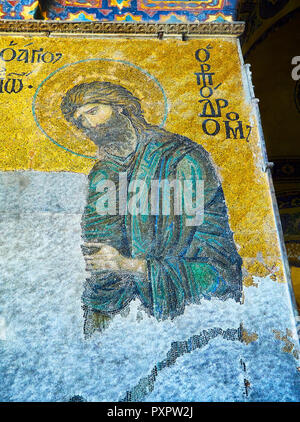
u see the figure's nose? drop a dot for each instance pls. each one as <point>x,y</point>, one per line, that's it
<point>91,121</point>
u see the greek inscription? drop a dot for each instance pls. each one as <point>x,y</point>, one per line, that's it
<point>11,86</point>
<point>214,108</point>
<point>13,82</point>
<point>11,53</point>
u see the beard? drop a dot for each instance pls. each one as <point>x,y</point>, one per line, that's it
<point>117,136</point>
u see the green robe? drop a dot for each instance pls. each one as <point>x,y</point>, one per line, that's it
<point>185,263</point>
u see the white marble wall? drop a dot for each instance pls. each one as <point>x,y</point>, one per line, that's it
<point>44,356</point>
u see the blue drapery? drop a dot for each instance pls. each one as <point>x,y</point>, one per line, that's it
<point>185,263</point>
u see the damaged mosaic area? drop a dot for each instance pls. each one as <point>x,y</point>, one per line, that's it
<point>237,349</point>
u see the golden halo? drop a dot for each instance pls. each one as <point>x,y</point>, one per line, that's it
<point>47,99</point>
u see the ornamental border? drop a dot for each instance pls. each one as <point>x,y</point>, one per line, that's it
<point>212,28</point>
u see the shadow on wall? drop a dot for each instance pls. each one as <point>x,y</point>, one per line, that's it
<point>43,7</point>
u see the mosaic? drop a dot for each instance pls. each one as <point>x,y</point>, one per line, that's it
<point>135,172</point>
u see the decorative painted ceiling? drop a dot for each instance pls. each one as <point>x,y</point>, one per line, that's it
<point>163,11</point>
<point>18,9</point>
<point>259,15</point>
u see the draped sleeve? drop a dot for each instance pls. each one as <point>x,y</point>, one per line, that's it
<point>108,228</point>
<point>108,291</point>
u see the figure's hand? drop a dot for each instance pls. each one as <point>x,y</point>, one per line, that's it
<point>108,258</point>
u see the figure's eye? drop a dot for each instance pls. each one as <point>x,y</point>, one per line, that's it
<point>92,111</point>
<point>82,121</point>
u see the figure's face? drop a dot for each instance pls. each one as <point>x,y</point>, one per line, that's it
<point>93,115</point>
<point>107,127</point>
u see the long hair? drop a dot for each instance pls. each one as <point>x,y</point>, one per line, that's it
<point>105,93</point>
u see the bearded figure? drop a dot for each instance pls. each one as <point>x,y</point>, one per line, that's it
<point>164,259</point>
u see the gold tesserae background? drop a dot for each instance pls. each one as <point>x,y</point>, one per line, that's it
<point>164,74</point>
